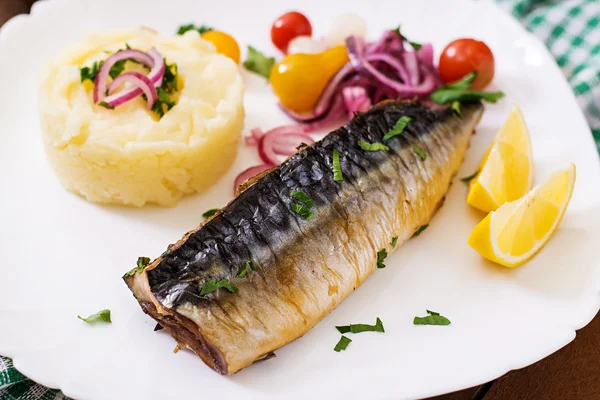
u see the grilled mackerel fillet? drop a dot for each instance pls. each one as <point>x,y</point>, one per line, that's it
<point>304,267</point>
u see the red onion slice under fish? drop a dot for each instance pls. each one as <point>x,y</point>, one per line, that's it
<point>249,173</point>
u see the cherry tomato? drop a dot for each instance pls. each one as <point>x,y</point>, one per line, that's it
<point>287,27</point>
<point>299,79</point>
<point>224,43</point>
<point>463,56</point>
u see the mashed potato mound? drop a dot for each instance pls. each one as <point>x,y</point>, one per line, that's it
<point>128,155</point>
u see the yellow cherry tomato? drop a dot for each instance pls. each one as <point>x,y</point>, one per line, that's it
<point>224,43</point>
<point>299,79</point>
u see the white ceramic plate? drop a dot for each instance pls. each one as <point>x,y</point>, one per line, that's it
<point>62,256</point>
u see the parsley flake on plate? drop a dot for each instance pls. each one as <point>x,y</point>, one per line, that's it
<point>342,344</point>
<point>434,318</point>
<point>258,63</point>
<point>100,316</point>
<point>358,328</point>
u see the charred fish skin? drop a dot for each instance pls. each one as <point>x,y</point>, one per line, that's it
<point>304,267</point>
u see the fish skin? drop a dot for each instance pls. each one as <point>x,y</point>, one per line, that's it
<point>304,268</point>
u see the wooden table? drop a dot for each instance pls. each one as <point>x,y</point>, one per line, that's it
<point>571,373</point>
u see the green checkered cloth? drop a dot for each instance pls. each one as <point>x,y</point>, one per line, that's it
<point>570,29</point>
<point>14,386</point>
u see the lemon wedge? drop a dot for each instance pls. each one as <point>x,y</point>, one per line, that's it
<point>506,171</point>
<point>516,231</point>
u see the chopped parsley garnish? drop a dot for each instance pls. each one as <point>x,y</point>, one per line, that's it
<point>258,63</point>
<point>163,103</point>
<point>420,152</point>
<point>212,286</point>
<point>433,318</point>
<point>468,179</point>
<point>366,146</point>
<point>142,262</point>
<point>398,128</point>
<point>120,67</point>
<point>415,45</point>
<point>211,212</point>
<point>421,229</point>
<point>302,210</point>
<point>168,87</point>
<point>456,108</point>
<point>106,105</point>
<point>304,204</point>
<point>90,72</point>
<point>461,91</point>
<point>342,344</point>
<point>463,83</point>
<point>191,27</point>
<point>303,198</point>
<point>100,316</point>
<point>381,256</point>
<point>169,83</point>
<point>358,328</point>
<point>394,241</point>
<point>244,271</point>
<point>337,167</point>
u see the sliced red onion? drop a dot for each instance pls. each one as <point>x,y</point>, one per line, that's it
<point>412,67</point>
<point>254,138</point>
<point>257,133</point>
<point>392,62</point>
<point>267,143</point>
<point>101,82</point>
<point>386,69</point>
<point>249,173</point>
<point>287,145</point>
<point>356,50</point>
<point>390,41</point>
<point>158,69</point>
<point>356,100</point>
<point>140,81</point>
<point>425,54</point>
<point>154,60</point>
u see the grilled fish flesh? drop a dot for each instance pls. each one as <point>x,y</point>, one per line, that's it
<point>271,264</point>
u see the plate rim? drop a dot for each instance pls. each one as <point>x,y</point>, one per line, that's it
<point>21,21</point>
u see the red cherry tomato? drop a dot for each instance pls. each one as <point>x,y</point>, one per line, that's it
<point>463,56</point>
<point>287,27</point>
